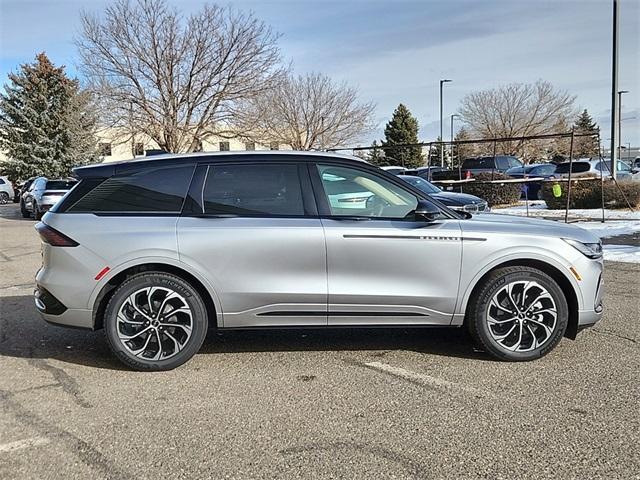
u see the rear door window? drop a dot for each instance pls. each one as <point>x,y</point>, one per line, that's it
<point>578,167</point>
<point>253,190</point>
<point>160,190</point>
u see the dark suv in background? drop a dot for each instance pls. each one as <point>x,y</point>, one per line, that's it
<point>473,166</point>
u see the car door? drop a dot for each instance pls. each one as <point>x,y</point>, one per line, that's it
<point>253,231</point>
<point>384,265</point>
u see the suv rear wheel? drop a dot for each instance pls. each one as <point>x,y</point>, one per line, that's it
<point>155,321</point>
<point>518,314</point>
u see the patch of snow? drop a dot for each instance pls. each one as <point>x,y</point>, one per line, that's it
<point>538,208</point>
<point>610,229</point>
<point>622,253</point>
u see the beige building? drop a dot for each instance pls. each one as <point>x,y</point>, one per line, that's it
<point>113,147</point>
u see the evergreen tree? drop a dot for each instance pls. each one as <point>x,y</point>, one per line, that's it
<point>586,146</point>
<point>402,129</point>
<point>377,157</point>
<point>463,151</point>
<point>46,122</point>
<point>435,154</point>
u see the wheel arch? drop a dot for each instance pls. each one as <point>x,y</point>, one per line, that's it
<point>558,276</point>
<point>106,292</point>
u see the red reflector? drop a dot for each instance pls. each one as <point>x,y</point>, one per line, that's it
<point>102,273</point>
<point>53,237</point>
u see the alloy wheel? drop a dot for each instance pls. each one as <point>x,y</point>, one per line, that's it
<point>154,323</point>
<point>522,316</point>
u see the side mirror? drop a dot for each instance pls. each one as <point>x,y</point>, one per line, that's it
<point>426,210</point>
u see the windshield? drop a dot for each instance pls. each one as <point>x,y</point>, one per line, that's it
<point>421,184</point>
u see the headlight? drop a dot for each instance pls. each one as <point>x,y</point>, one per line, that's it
<point>591,250</point>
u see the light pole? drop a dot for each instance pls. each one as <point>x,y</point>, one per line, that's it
<point>455,115</point>
<point>620,93</point>
<point>614,88</point>
<point>442,82</point>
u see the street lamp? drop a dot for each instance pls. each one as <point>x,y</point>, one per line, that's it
<point>614,87</point>
<point>455,115</point>
<point>443,81</point>
<point>620,93</point>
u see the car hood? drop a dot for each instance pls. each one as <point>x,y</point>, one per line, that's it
<point>511,224</point>
<point>455,199</point>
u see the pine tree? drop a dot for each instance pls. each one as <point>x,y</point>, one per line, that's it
<point>376,156</point>
<point>462,151</point>
<point>435,154</point>
<point>402,129</point>
<point>586,146</point>
<point>46,122</point>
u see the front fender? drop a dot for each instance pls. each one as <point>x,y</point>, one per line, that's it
<point>473,271</point>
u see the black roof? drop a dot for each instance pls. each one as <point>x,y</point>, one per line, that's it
<point>112,168</point>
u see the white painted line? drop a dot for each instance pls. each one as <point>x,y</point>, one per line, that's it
<point>426,380</point>
<point>20,444</point>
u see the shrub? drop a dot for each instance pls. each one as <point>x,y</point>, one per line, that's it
<point>493,193</point>
<point>587,194</point>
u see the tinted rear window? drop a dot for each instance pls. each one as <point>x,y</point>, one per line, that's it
<point>60,184</point>
<point>253,190</point>
<point>149,190</point>
<point>483,162</point>
<point>578,167</point>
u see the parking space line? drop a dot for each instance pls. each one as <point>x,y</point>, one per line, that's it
<point>426,380</point>
<point>20,444</point>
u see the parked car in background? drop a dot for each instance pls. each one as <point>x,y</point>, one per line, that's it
<point>539,170</point>
<point>6,190</point>
<point>394,169</point>
<point>21,188</point>
<point>43,194</point>
<point>157,250</point>
<point>473,166</point>
<point>636,165</point>
<point>457,201</point>
<point>594,167</point>
<point>424,172</point>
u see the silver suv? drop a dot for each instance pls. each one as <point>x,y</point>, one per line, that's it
<point>156,251</point>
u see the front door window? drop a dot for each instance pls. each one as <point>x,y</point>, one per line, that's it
<point>353,192</point>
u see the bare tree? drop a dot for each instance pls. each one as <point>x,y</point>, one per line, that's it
<point>308,112</point>
<point>516,110</point>
<point>175,79</point>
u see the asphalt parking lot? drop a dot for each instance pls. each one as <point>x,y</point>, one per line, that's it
<point>374,403</point>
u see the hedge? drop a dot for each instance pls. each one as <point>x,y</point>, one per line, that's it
<point>493,193</point>
<point>587,194</point>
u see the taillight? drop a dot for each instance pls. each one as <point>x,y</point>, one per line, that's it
<point>53,237</point>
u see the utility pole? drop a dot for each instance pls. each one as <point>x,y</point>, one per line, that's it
<point>614,90</point>
<point>620,93</point>
<point>443,81</point>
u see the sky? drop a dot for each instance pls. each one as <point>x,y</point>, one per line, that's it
<point>396,51</point>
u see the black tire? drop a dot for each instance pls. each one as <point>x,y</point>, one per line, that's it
<point>37,214</point>
<point>4,198</point>
<point>162,280</point>
<point>23,210</point>
<point>478,314</point>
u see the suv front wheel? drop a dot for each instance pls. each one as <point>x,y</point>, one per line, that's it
<point>155,321</point>
<point>518,314</point>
